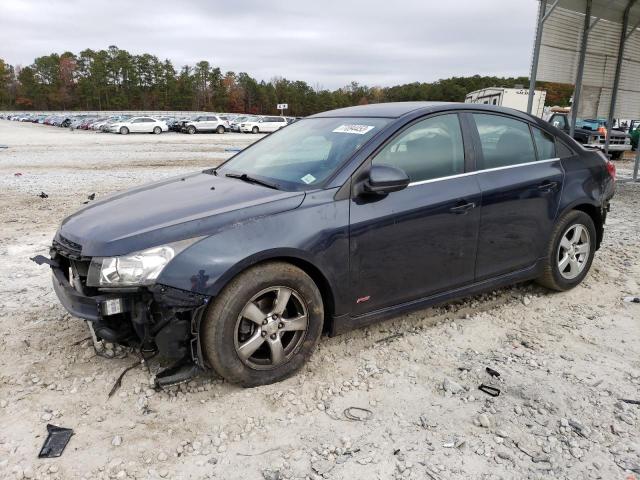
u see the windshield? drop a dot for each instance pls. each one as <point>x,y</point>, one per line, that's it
<point>305,153</point>
<point>590,123</point>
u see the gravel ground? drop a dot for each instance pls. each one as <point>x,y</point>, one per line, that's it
<point>565,359</point>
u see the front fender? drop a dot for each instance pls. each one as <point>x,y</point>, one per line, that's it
<point>315,233</point>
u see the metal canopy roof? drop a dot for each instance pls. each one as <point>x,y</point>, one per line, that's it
<point>611,10</point>
<point>595,45</point>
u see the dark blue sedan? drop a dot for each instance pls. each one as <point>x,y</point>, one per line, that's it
<point>334,222</point>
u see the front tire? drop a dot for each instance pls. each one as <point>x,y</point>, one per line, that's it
<point>191,130</point>
<point>570,251</point>
<point>124,131</point>
<point>255,130</point>
<point>616,155</point>
<point>157,130</point>
<point>220,129</point>
<point>264,325</point>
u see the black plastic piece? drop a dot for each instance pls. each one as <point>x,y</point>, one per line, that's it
<point>40,259</point>
<point>493,391</point>
<point>181,372</point>
<point>492,372</point>
<point>55,442</point>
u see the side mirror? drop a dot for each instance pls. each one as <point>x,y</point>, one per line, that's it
<point>384,179</point>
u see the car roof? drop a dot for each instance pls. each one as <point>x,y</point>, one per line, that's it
<point>399,109</point>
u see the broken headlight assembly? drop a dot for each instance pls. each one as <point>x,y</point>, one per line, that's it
<point>136,269</point>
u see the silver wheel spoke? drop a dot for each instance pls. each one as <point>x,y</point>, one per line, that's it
<point>253,313</point>
<point>249,347</point>
<point>563,263</point>
<point>582,248</point>
<point>277,351</point>
<point>565,243</point>
<point>293,324</point>
<point>577,233</point>
<point>574,267</point>
<point>284,294</point>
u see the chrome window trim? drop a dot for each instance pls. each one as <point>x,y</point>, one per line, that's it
<point>476,172</point>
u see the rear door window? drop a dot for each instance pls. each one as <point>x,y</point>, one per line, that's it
<point>505,141</point>
<point>430,149</point>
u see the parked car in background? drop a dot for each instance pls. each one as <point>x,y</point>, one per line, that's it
<point>234,125</point>
<point>263,124</point>
<point>592,133</point>
<point>206,123</point>
<point>412,204</point>
<point>139,125</point>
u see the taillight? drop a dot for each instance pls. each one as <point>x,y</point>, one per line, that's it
<point>611,168</point>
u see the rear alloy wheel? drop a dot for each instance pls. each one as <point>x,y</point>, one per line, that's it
<point>157,130</point>
<point>255,130</point>
<point>220,129</point>
<point>191,130</point>
<point>570,252</point>
<point>124,131</point>
<point>264,325</point>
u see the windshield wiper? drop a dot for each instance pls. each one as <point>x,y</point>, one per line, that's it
<point>247,178</point>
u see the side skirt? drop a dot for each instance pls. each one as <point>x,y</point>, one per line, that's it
<point>345,323</point>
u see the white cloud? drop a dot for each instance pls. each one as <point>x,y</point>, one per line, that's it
<point>330,43</point>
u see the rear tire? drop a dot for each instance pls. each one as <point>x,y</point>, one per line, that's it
<point>244,338</point>
<point>570,252</point>
<point>124,131</point>
<point>157,130</point>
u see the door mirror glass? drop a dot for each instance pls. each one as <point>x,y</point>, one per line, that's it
<point>383,179</point>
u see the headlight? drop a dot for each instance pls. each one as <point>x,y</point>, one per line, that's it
<point>135,269</point>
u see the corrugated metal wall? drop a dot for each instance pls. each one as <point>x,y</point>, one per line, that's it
<point>561,38</point>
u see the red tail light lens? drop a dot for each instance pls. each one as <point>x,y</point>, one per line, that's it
<point>611,168</point>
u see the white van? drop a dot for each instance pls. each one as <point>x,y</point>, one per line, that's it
<point>263,124</point>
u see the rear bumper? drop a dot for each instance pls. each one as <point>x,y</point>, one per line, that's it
<point>617,147</point>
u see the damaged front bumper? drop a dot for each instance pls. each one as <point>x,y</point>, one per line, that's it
<point>156,319</point>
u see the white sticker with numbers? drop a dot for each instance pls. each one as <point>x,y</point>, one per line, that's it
<point>357,129</point>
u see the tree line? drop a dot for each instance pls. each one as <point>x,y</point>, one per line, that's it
<point>114,79</point>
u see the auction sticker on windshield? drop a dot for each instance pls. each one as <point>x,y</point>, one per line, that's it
<point>357,129</point>
<point>308,178</point>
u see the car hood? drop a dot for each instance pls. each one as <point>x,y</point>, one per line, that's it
<point>194,205</point>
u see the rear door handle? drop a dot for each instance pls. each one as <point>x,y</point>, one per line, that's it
<point>462,209</point>
<point>548,186</point>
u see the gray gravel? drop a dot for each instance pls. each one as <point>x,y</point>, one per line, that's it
<point>565,360</point>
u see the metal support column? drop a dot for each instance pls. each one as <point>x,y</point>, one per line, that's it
<point>616,79</point>
<point>536,54</point>
<point>583,54</point>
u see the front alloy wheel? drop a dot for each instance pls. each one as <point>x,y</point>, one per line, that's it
<point>264,325</point>
<point>271,327</point>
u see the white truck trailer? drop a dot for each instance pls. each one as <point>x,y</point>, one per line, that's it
<point>509,97</point>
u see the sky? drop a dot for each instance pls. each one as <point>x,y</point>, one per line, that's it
<point>327,43</point>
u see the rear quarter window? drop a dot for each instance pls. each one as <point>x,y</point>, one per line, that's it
<point>545,144</point>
